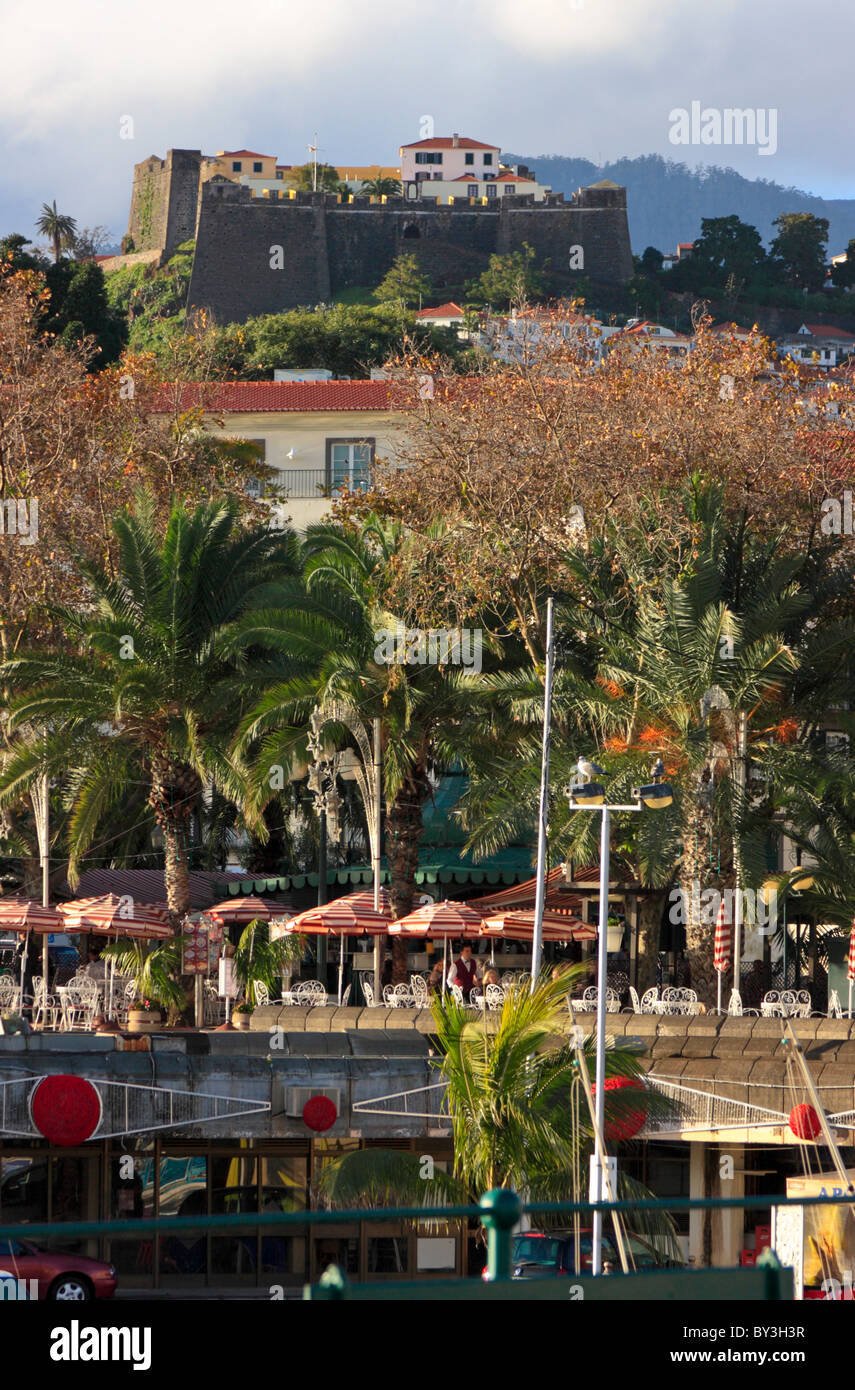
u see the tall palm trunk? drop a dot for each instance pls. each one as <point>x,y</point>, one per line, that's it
<point>697,875</point>
<point>403,833</point>
<point>649,922</point>
<point>174,793</point>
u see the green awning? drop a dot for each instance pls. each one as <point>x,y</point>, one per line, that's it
<point>437,864</point>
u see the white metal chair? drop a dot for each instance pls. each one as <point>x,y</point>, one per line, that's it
<point>649,1000</point>
<point>47,1009</point>
<point>346,995</point>
<point>311,992</point>
<point>677,1000</point>
<point>368,992</point>
<point>418,985</point>
<point>835,1008</point>
<point>401,997</point>
<point>494,997</point>
<point>457,993</point>
<point>261,993</point>
<point>770,1004</point>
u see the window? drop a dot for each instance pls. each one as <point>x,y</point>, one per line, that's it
<point>256,168</point>
<point>349,464</point>
<point>469,159</point>
<point>510,188</point>
<point>491,190</point>
<point>428,157</point>
<point>236,166</point>
<point>472,190</point>
<point>488,159</point>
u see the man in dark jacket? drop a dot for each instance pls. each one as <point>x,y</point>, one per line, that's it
<point>464,971</point>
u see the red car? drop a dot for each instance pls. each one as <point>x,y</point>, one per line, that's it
<point>72,1278</point>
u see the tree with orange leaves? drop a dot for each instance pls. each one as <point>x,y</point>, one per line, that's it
<point>552,438</point>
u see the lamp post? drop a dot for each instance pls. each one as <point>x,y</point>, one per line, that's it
<point>589,795</point>
<point>365,769</point>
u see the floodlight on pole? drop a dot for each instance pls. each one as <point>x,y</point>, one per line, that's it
<point>591,797</point>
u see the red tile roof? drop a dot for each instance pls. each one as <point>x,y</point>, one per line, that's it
<point>446,142</point>
<point>824,330</point>
<point>246,397</point>
<point>442,311</point>
<point>248,154</point>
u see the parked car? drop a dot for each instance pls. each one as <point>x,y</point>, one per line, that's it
<point>543,1254</point>
<point>60,1276</point>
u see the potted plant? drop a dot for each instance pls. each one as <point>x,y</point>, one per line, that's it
<point>153,968</point>
<point>258,960</point>
<point>614,932</point>
<point>143,1017</point>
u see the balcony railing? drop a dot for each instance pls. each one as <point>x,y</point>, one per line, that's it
<point>316,482</point>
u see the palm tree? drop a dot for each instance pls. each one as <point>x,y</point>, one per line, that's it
<point>152,682</point>
<point>518,1113</point>
<point>663,647</point>
<point>428,712</point>
<point>57,226</point>
<point>258,960</point>
<point>381,187</point>
<point>153,967</point>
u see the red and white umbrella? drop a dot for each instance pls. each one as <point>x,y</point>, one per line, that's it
<point>519,926</point>
<point>850,966</point>
<point>352,915</point>
<point>440,919</point>
<point>110,915</point>
<point>447,920</point>
<point>239,911</point>
<point>722,946</point>
<point>25,915</point>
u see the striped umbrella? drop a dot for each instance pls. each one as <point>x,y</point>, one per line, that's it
<point>114,916</point>
<point>850,968</point>
<point>239,911</point>
<point>722,946</point>
<point>26,915</point>
<point>440,919</point>
<point>446,920</point>
<point>352,915</point>
<point>519,926</point>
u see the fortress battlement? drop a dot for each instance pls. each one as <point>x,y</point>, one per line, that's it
<point>268,252</point>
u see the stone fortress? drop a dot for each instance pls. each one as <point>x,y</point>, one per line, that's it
<point>266,251</point>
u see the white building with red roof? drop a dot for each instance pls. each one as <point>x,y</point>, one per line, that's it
<point>314,438</point>
<point>447,157</point>
<point>448,315</point>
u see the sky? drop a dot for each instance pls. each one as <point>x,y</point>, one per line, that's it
<point>592,78</point>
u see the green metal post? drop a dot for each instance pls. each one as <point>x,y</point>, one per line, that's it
<point>501,1211</point>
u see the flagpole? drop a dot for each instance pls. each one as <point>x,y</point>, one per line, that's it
<point>540,890</point>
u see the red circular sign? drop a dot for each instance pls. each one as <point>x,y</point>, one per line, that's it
<point>319,1113</point>
<point>65,1109</point>
<point>628,1122</point>
<point>804,1122</point>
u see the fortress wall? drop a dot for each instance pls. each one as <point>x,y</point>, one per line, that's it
<point>164,201</point>
<point>185,168</point>
<point>149,204</point>
<point>603,234</point>
<point>449,244</point>
<point>232,275</point>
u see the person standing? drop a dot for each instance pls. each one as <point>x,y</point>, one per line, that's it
<point>464,972</point>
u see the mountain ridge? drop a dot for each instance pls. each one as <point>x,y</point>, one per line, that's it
<point>666,200</point>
